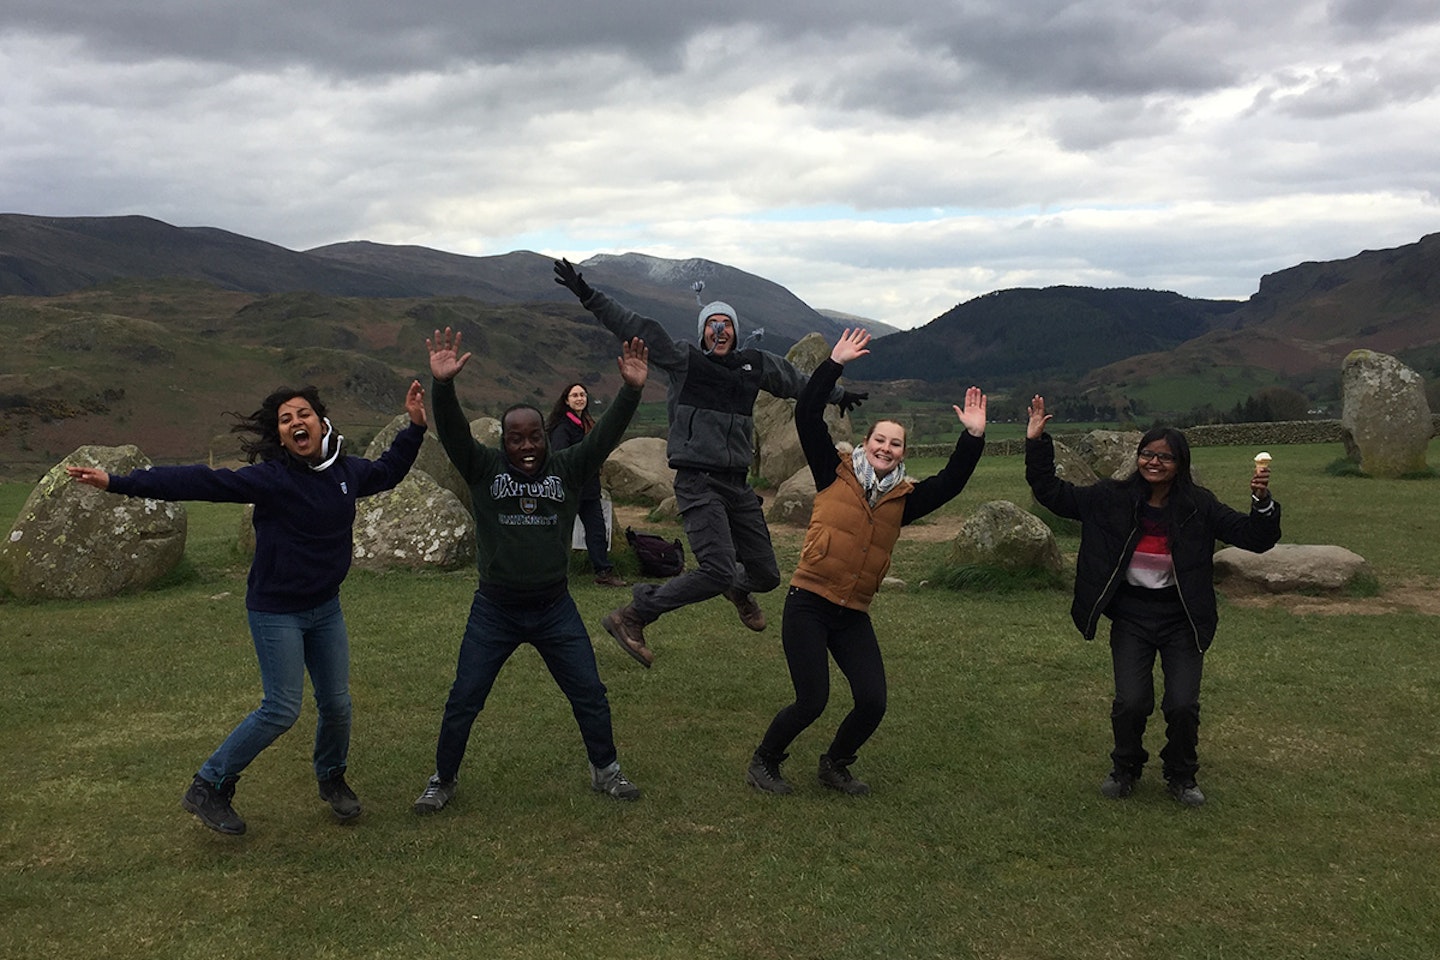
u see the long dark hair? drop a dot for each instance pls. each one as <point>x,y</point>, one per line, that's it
<point>1183,488</point>
<point>562,407</point>
<point>264,424</point>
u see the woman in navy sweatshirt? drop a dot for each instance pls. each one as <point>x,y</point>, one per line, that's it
<point>304,491</point>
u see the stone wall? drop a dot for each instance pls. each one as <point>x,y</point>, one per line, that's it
<point>1208,435</point>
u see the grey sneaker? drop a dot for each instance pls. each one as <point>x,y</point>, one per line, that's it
<point>1186,792</point>
<point>610,780</point>
<point>1119,784</point>
<point>750,613</point>
<point>436,794</point>
<point>836,775</point>
<point>764,775</point>
<point>625,625</point>
<point>336,792</point>
<point>211,803</point>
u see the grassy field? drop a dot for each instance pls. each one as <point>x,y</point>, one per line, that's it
<point>985,835</point>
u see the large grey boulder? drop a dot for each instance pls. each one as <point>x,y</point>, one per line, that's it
<point>1385,419</point>
<point>1109,453</point>
<point>73,542</point>
<point>1071,465</point>
<point>1289,568</point>
<point>777,445</point>
<point>419,525</point>
<point>637,471</point>
<point>1000,534</point>
<point>792,501</point>
<point>432,457</point>
<point>486,430</point>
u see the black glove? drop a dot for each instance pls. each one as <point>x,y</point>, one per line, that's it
<point>568,277</point>
<point>850,400</point>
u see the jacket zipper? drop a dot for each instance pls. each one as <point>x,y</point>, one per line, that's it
<point>1194,630</point>
<point>1095,610</point>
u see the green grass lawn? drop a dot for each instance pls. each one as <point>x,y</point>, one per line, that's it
<point>985,835</point>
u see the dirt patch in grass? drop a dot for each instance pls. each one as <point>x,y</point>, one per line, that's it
<point>1418,597</point>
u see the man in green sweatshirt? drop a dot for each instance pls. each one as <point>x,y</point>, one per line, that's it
<point>525,500</point>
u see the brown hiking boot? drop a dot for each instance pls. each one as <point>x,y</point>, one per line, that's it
<point>625,625</point>
<point>750,613</point>
<point>610,579</point>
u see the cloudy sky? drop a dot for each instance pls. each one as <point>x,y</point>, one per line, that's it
<point>889,159</point>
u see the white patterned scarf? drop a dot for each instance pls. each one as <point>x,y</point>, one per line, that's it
<point>875,486</point>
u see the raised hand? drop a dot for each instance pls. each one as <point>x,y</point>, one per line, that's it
<point>972,416</point>
<point>571,279</point>
<point>634,361</point>
<point>90,476</point>
<point>1038,418</point>
<point>415,403</point>
<point>445,357</point>
<point>850,346</point>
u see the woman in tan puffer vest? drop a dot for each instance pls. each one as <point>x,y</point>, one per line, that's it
<point>861,502</point>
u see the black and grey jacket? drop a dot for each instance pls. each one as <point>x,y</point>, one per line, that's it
<point>710,400</point>
<point>1109,515</point>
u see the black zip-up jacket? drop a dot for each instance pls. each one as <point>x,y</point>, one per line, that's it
<point>1109,515</point>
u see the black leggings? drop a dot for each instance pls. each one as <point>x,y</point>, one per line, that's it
<point>812,628</point>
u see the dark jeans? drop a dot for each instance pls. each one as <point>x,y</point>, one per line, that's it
<point>491,635</point>
<point>813,628</point>
<point>728,536</point>
<point>592,518</point>
<point>1139,630</point>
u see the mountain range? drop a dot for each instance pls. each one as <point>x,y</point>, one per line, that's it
<point>128,329</point>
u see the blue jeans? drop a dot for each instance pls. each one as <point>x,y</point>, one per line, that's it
<point>286,645</point>
<point>492,634</point>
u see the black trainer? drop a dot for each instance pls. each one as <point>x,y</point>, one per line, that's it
<point>764,775</point>
<point>836,776</point>
<point>1119,784</point>
<point>1186,792</point>
<point>336,792</point>
<point>211,804</point>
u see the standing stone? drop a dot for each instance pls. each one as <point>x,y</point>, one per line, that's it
<point>432,457</point>
<point>637,471</point>
<point>793,500</point>
<point>486,430</point>
<point>1110,453</point>
<point>73,542</point>
<point>418,525</point>
<point>1385,420</point>
<point>778,453</point>
<point>1000,534</point>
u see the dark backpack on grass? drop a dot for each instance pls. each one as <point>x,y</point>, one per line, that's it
<point>658,557</point>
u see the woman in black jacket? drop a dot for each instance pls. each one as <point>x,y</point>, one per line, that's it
<point>1145,561</point>
<point>567,425</point>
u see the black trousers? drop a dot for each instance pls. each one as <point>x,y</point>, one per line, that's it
<point>1140,630</point>
<point>813,629</point>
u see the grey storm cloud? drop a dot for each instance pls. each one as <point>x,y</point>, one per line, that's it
<point>1058,46</point>
<point>907,152</point>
